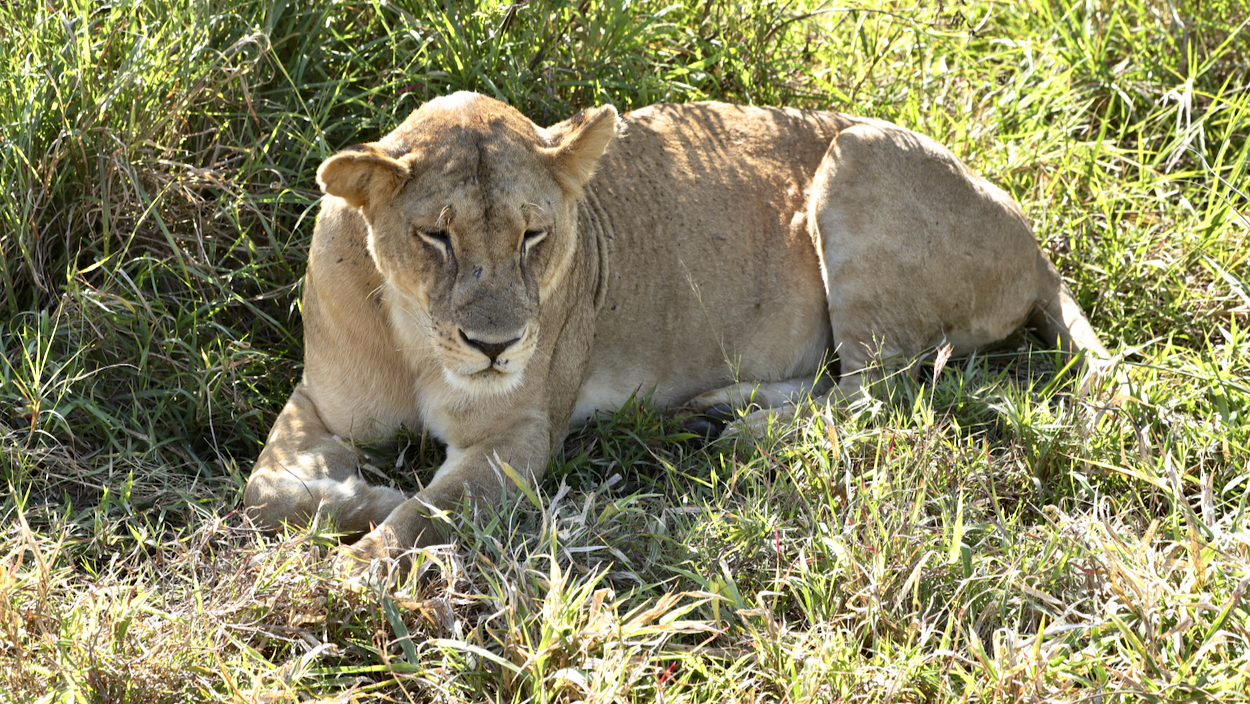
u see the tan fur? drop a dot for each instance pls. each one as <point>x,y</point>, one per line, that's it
<point>493,282</point>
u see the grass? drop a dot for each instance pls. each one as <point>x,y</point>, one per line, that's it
<point>984,534</point>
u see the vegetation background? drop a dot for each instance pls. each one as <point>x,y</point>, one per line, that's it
<point>983,533</point>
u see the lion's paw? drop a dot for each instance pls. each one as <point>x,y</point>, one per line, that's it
<point>377,558</point>
<point>758,424</point>
<point>709,423</point>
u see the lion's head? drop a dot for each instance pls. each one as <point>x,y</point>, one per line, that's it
<point>471,209</point>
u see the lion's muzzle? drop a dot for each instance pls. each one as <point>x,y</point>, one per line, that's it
<point>491,349</point>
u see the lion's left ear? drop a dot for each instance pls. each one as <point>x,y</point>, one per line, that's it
<point>580,141</point>
<point>363,174</point>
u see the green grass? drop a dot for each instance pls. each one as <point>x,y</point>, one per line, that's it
<point>985,534</point>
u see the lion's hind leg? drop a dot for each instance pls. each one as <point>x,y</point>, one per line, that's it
<point>917,252</point>
<point>709,413</point>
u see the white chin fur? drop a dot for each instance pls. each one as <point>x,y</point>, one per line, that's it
<point>483,383</point>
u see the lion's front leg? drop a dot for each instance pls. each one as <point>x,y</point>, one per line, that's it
<point>305,471</point>
<point>475,471</point>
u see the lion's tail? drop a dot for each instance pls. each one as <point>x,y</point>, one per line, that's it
<point>1057,317</point>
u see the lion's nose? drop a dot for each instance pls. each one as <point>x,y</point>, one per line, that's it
<point>490,349</point>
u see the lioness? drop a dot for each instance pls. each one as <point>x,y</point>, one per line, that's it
<point>494,282</point>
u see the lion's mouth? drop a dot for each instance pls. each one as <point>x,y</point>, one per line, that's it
<point>485,379</point>
<point>482,366</point>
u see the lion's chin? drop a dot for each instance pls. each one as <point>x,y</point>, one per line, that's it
<point>486,382</point>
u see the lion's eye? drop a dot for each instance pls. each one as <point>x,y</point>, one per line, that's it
<point>438,239</point>
<point>531,238</point>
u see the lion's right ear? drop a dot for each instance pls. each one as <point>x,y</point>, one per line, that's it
<point>363,175</point>
<point>580,141</point>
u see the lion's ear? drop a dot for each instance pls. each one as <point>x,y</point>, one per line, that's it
<point>580,141</point>
<point>362,175</point>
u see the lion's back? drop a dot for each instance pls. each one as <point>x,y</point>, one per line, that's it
<point>712,274</point>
